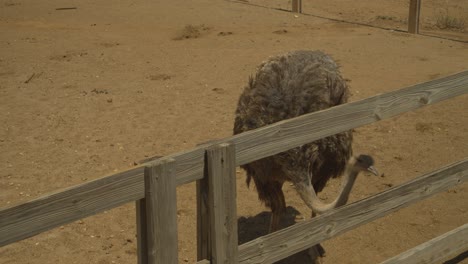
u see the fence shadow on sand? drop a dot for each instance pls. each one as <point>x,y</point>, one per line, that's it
<point>250,228</point>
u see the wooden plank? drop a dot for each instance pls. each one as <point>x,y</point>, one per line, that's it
<point>31,218</point>
<point>203,221</point>
<point>287,134</point>
<point>278,245</point>
<point>221,175</point>
<point>161,212</point>
<point>413,16</point>
<point>142,230</point>
<point>435,250</point>
<point>65,206</point>
<point>297,6</point>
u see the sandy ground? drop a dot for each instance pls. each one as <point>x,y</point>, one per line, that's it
<point>86,92</point>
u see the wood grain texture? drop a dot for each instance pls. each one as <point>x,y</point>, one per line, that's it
<point>278,245</point>
<point>142,230</point>
<point>287,134</point>
<point>435,250</point>
<point>203,220</point>
<point>284,135</point>
<point>413,16</point>
<point>33,217</point>
<point>221,175</point>
<point>161,212</point>
<point>65,206</point>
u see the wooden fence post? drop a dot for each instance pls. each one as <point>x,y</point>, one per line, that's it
<point>217,211</point>
<point>142,244</point>
<point>297,6</point>
<point>413,16</point>
<point>203,218</point>
<point>157,215</point>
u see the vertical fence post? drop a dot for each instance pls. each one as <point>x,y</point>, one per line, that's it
<point>203,218</point>
<point>413,16</point>
<point>217,211</point>
<point>157,215</point>
<point>142,244</point>
<point>297,6</point>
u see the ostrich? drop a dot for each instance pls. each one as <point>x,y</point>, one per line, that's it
<point>287,86</point>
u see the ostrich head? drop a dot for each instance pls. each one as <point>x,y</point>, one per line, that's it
<point>364,163</point>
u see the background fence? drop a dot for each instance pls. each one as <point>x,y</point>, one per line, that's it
<point>153,187</point>
<point>413,13</point>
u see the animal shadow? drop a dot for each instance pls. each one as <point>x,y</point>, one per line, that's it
<point>250,228</point>
<point>458,259</point>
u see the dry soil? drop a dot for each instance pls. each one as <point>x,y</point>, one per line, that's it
<point>87,90</point>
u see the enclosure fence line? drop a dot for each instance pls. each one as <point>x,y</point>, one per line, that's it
<point>413,18</point>
<point>413,14</point>
<point>153,186</point>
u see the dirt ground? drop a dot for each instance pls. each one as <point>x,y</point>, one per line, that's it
<point>85,92</point>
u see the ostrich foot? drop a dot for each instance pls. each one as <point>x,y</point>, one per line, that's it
<point>316,253</point>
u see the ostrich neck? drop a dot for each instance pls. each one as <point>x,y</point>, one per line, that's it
<point>346,186</point>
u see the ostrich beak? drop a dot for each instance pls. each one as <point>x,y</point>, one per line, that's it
<point>373,170</point>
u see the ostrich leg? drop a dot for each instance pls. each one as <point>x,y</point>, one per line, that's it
<point>316,252</point>
<point>277,204</point>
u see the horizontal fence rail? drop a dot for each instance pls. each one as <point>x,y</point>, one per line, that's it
<point>293,239</point>
<point>435,250</point>
<point>33,217</point>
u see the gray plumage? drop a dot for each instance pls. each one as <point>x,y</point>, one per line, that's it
<point>284,87</point>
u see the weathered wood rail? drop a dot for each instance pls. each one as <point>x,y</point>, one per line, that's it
<point>278,245</point>
<point>435,250</point>
<point>152,185</point>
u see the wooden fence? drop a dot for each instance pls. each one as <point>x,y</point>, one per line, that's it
<point>153,187</point>
<point>413,13</point>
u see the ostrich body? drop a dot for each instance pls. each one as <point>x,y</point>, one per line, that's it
<point>288,86</point>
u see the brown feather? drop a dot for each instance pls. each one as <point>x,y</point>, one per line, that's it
<point>284,87</point>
